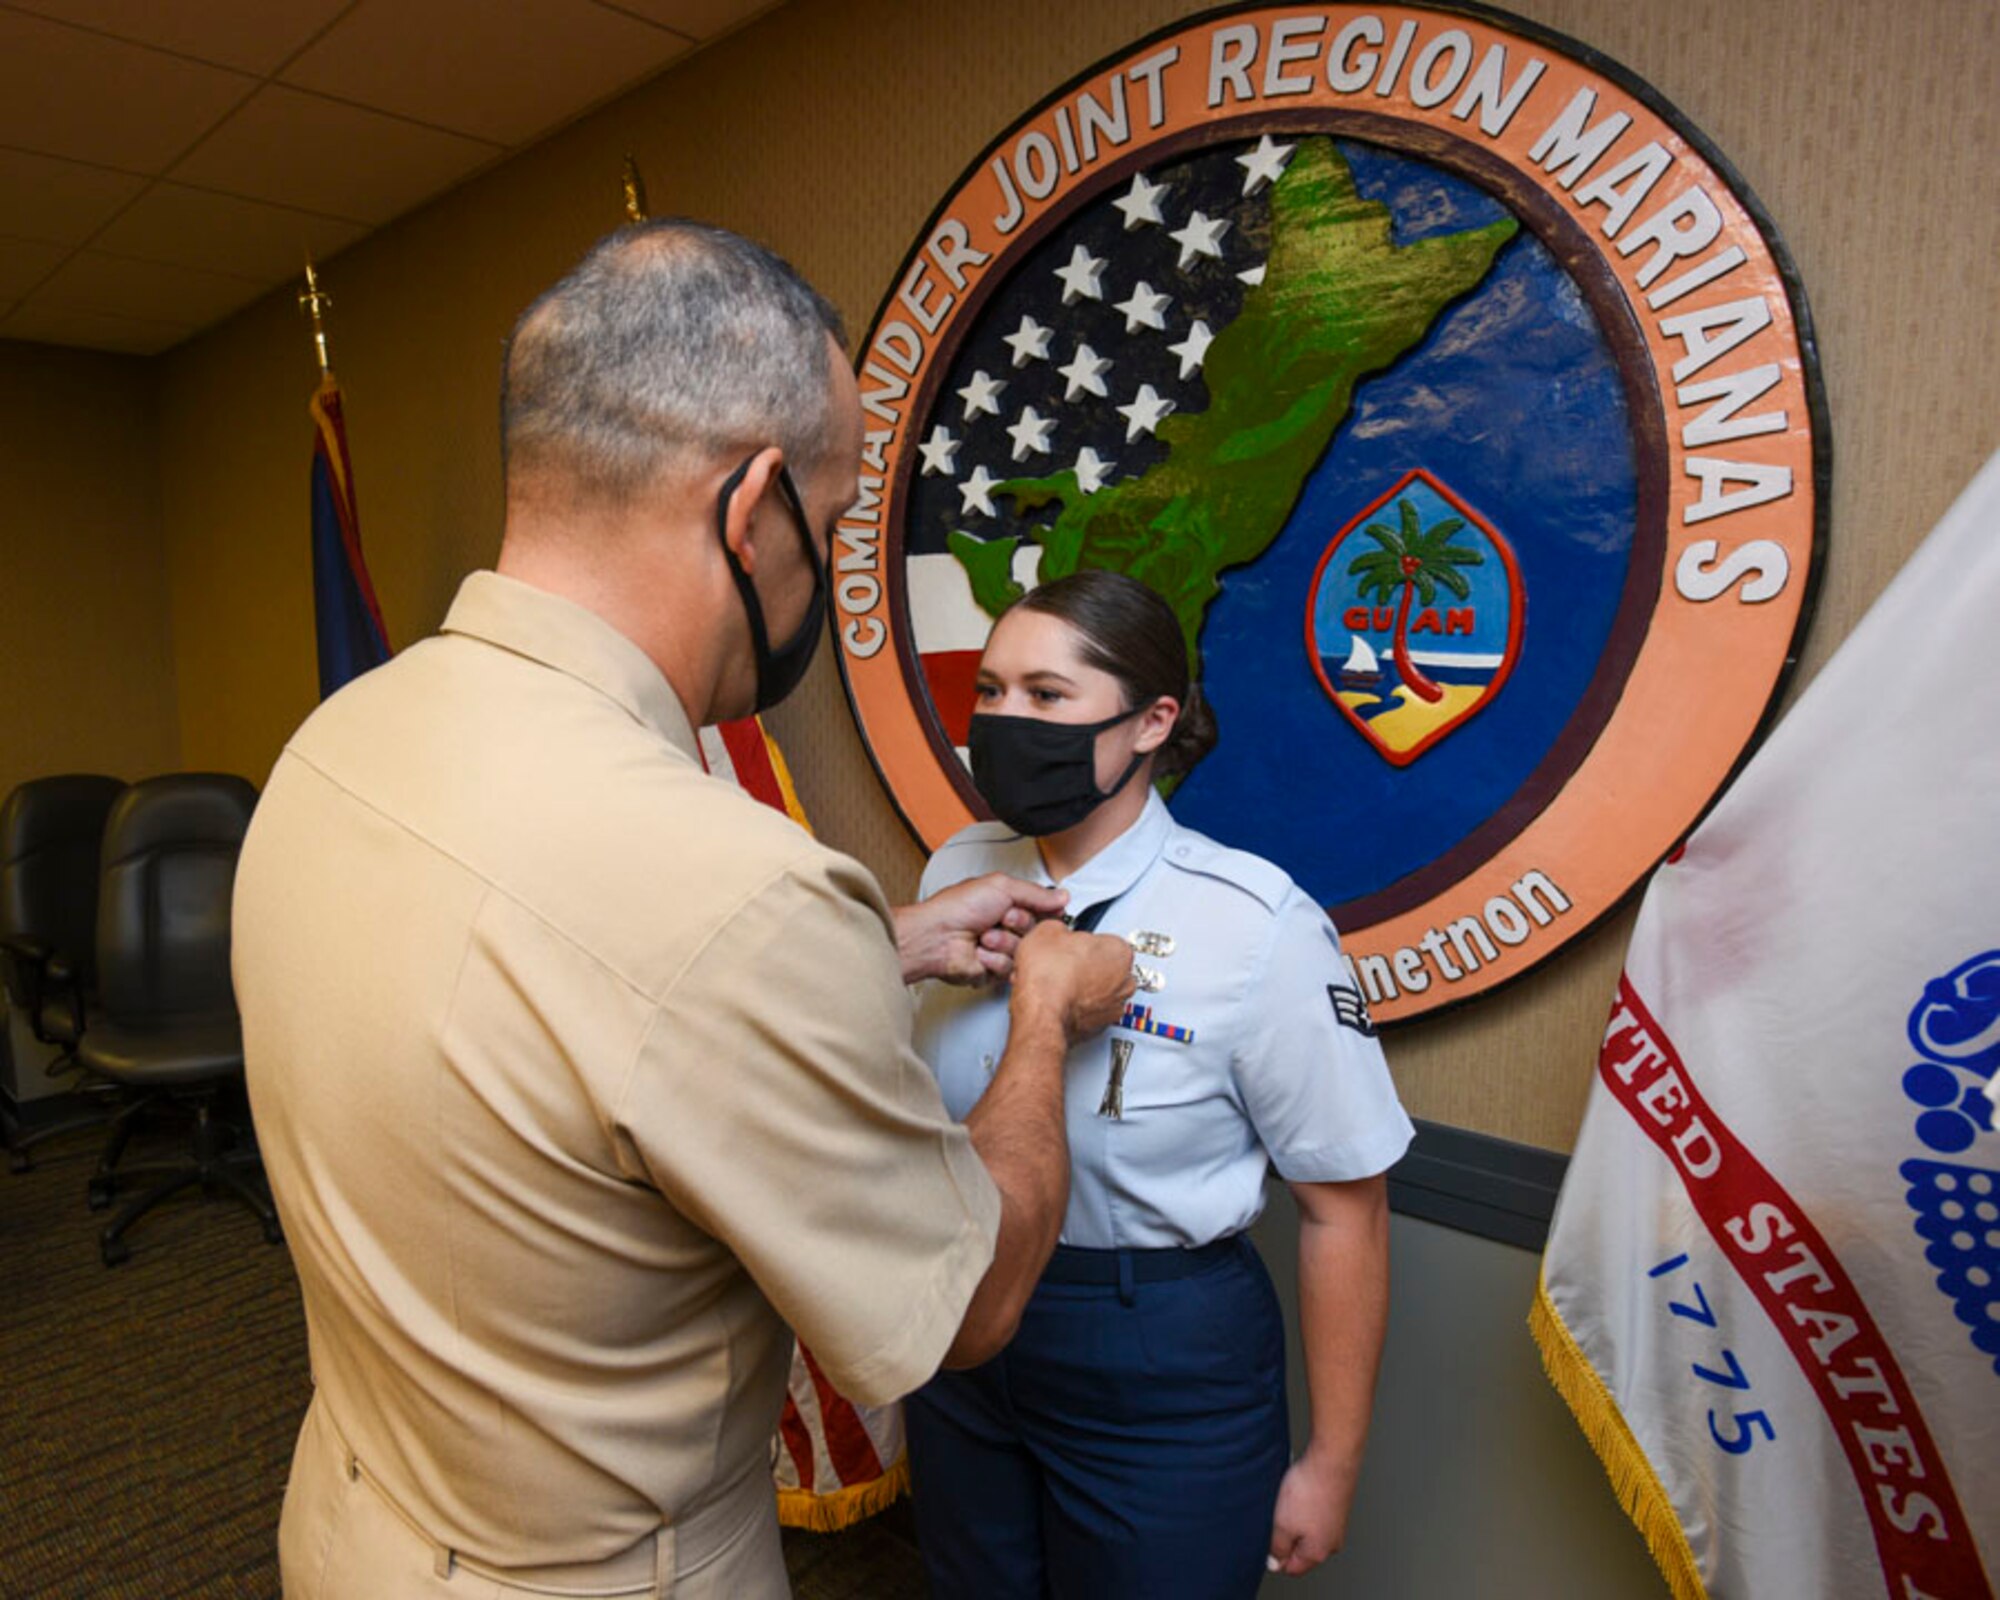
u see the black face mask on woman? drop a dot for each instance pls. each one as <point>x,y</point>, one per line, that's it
<point>1041,777</point>
<point>779,670</point>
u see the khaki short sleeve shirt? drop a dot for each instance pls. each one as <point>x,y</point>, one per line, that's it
<point>578,1074</point>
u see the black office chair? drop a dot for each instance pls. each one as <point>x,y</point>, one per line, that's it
<point>50,830</point>
<point>167,1023</point>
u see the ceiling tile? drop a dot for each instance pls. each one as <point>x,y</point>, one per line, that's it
<point>252,35</point>
<point>196,228</point>
<point>444,62</point>
<point>25,262</point>
<point>698,19</point>
<point>64,92</point>
<point>45,324</point>
<point>145,290</point>
<point>298,149</point>
<point>62,201</point>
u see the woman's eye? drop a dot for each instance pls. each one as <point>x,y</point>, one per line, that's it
<point>1046,697</point>
<point>988,691</point>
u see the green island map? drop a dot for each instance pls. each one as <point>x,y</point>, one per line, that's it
<point>1339,300</point>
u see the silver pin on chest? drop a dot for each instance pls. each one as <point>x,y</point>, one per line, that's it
<point>1113,1103</point>
<point>1147,943</point>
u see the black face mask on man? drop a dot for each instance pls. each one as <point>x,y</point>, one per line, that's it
<point>779,670</point>
<point>1041,777</point>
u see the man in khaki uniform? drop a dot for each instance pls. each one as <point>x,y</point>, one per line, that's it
<point>579,1074</point>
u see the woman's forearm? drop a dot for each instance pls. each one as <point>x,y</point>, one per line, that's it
<point>1343,1312</point>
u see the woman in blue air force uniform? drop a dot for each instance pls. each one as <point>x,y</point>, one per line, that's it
<point>1132,1440</point>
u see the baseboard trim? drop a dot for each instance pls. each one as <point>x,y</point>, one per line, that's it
<point>1478,1184</point>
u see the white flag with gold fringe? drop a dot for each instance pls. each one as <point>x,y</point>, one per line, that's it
<point>1772,1288</point>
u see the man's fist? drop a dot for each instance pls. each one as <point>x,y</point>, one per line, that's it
<point>969,932</point>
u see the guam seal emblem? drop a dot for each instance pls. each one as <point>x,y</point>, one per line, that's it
<point>1443,661</point>
<point>1452,390</point>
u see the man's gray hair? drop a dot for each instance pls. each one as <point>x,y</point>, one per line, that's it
<point>672,343</point>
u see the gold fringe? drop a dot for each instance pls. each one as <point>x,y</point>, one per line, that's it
<point>1632,1476</point>
<point>797,813</point>
<point>829,1513</point>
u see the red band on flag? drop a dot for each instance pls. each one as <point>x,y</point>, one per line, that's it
<point>744,739</point>
<point>1920,1532</point>
<point>847,1443</point>
<point>331,445</point>
<point>798,1443</point>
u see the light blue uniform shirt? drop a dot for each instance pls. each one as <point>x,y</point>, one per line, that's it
<point>1271,1067</point>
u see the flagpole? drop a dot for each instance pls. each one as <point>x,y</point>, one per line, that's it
<point>347,618</point>
<point>315,302</point>
<point>635,191</point>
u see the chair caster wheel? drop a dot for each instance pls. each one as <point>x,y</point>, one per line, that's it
<point>273,1234</point>
<point>99,1194</point>
<point>20,1161</point>
<point>114,1251</point>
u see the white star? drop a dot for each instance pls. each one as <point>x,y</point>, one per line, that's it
<point>1145,309</point>
<point>982,394</point>
<point>1253,277</point>
<point>940,452</point>
<point>975,494</point>
<point>1086,370</point>
<point>1264,164</point>
<point>1080,277</point>
<point>1194,348</point>
<point>1031,433</point>
<point>1144,413</point>
<point>1198,237</point>
<point>1141,203</point>
<point>1030,342</point>
<point>1091,470</point>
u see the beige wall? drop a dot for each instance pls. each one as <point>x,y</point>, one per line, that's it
<point>86,672</point>
<point>830,128</point>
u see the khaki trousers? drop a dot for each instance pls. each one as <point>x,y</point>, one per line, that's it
<point>342,1538</point>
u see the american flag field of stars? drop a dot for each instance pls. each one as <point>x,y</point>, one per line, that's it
<point>1097,337</point>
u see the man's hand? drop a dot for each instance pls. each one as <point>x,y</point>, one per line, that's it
<point>1066,986</point>
<point>1310,1523</point>
<point>969,932</point>
<point>1083,979</point>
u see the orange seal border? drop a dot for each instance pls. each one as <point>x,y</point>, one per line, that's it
<point>1730,361</point>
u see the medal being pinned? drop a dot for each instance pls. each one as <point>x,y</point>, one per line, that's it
<point>1149,980</point>
<point>1113,1103</point>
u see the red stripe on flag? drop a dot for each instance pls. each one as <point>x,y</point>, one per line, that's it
<point>952,678</point>
<point>848,1446</point>
<point>1920,1532</point>
<point>744,740</point>
<point>798,1442</point>
<point>332,445</point>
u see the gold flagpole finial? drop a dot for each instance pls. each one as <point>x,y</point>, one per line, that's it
<point>635,192</point>
<point>314,302</point>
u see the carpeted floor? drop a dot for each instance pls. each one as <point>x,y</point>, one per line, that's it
<point>147,1412</point>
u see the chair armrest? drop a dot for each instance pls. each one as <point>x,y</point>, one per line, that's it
<point>27,968</point>
<point>40,977</point>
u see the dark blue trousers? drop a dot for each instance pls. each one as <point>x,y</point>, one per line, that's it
<point>1128,1445</point>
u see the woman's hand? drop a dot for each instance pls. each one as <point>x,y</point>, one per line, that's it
<point>1343,1313</point>
<point>1311,1520</point>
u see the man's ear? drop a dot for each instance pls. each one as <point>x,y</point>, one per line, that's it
<point>739,520</point>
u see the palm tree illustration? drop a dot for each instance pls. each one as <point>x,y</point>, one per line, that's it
<point>1416,560</point>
